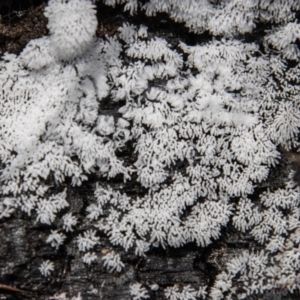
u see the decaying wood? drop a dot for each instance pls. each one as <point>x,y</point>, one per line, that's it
<point>9,288</point>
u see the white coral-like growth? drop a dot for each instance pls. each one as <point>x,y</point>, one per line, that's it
<point>63,296</point>
<point>37,53</point>
<point>56,239</point>
<point>284,39</point>
<point>46,268</point>
<point>87,241</point>
<point>68,222</point>
<point>72,25</point>
<point>187,293</point>
<point>228,18</point>
<point>88,257</point>
<point>203,123</point>
<point>138,292</point>
<point>112,261</point>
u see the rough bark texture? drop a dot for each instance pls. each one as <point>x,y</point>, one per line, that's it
<point>23,248</point>
<point>22,240</point>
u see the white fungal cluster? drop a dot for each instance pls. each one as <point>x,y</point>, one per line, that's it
<point>204,122</point>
